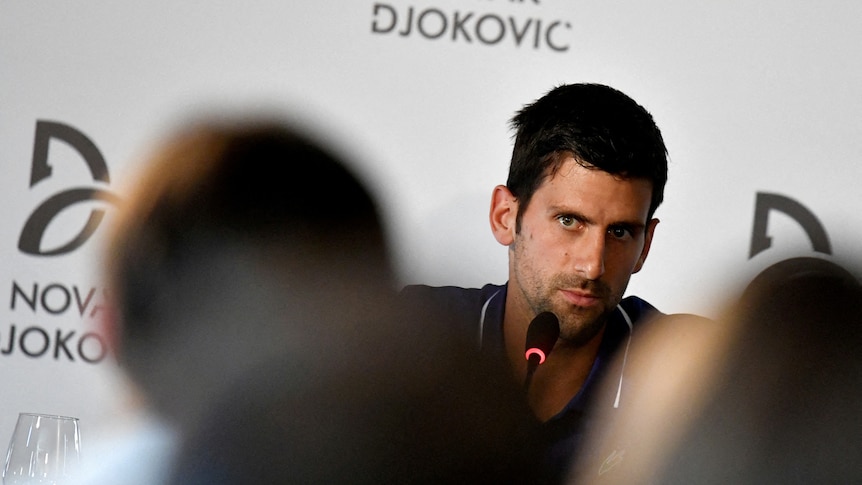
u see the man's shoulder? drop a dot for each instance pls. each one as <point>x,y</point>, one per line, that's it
<point>447,303</point>
<point>639,310</point>
<point>447,298</point>
<point>645,316</point>
<point>443,294</point>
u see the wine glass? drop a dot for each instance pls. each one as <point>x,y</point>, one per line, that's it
<point>44,450</point>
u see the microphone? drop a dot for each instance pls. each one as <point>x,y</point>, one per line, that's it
<point>542,334</point>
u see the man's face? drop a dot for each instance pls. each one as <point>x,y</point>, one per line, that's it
<point>582,236</point>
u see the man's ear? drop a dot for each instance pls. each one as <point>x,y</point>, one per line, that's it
<point>504,212</point>
<point>648,234</point>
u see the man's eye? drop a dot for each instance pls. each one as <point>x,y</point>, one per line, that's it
<point>567,221</point>
<point>619,232</point>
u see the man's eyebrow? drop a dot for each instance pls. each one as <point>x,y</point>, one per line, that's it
<point>629,224</point>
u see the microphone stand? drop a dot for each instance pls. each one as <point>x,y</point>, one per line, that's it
<point>542,334</point>
<point>532,365</point>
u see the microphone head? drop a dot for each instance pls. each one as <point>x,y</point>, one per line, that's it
<point>542,334</point>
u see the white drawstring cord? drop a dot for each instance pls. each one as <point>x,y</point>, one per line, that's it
<point>625,356</point>
<point>482,318</point>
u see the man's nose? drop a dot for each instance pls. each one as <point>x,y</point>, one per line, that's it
<point>590,255</point>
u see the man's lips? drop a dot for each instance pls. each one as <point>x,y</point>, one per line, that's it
<point>581,297</point>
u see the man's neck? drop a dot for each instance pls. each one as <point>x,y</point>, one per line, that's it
<point>556,381</point>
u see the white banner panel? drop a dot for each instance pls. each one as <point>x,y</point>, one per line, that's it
<point>759,102</point>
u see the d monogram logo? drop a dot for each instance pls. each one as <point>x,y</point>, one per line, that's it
<point>761,241</point>
<point>30,241</point>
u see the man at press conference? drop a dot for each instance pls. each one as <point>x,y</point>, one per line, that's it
<point>587,173</point>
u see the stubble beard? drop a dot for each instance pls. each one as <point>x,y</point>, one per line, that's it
<point>578,325</point>
<point>577,329</point>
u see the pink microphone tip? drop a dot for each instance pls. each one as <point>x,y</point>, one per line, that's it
<point>535,351</point>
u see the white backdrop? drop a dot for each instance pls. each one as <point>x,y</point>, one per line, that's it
<point>752,98</point>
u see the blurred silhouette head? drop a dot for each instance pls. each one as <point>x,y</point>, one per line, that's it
<point>768,394</point>
<point>239,242</point>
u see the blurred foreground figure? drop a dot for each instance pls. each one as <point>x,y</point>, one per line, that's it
<point>240,243</point>
<point>417,414</point>
<point>255,312</point>
<point>768,394</point>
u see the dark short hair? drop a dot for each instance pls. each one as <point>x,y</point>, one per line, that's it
<point>599,126</point>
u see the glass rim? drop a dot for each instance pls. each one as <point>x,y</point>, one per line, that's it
<point>49,416</point>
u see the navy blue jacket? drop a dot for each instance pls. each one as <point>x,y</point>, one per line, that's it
<point>480,312</point>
